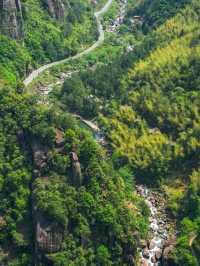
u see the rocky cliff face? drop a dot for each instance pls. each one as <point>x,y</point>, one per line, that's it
<point>48,235</point>
<point>11,19</point>
<point>11,22</point>
<point>56,9</point>
<point>76,170</point>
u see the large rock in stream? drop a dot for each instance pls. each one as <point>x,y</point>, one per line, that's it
<point>152,244</point>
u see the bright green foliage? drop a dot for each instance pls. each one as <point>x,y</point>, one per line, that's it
<point>97,223</point>
<point>11,69</point>
<point>15,173</point>
<point>187,252</point>
<point>97,215</point>
<point>156,12</point>
<point>52,39</point>
<point>151,115</point>
<point>46,39</point>
<point>103,256</point>
<point>148,154</point>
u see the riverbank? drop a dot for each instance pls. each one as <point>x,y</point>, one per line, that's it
<point>152,252</point>
<point>162,237</point>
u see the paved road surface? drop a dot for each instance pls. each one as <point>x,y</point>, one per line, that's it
<point>98,16</point>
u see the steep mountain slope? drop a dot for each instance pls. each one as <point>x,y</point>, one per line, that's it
<point>62,201</point>
<point>45,31</point>
<point>56,8</point>
<point>11,21</point>
<point>158,131</point>
<point>65,199</point>
<point>152,115</point>
<point>156,12</point>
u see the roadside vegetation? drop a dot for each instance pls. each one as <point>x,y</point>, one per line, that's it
<point>51,41</point>
<point>146,101</point>
<point>149,105</point>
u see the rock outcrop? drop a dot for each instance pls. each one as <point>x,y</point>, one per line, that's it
<point>56,9</point>
<point>160,245</point>
<point>167,251</point>
<point>48,236</point>
<point>39,158</point>
<point>48,233</point>
<point>11,21</point>
<point>76,170</point>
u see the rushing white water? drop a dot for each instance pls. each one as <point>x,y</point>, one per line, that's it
<point>151,254</point>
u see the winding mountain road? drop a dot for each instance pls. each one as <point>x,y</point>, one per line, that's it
<point>98,15</point>
<point>151,254</point>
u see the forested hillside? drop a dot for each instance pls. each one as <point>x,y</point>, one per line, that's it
<point>47,33</point>
<point>156,12</point>
<point>88,207</point>
<point>62,200</point>
<point>152,112</point>
<point>123,187</point>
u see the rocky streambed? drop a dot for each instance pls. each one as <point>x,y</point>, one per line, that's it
<point>115,23</point>
<point>155,250</point>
